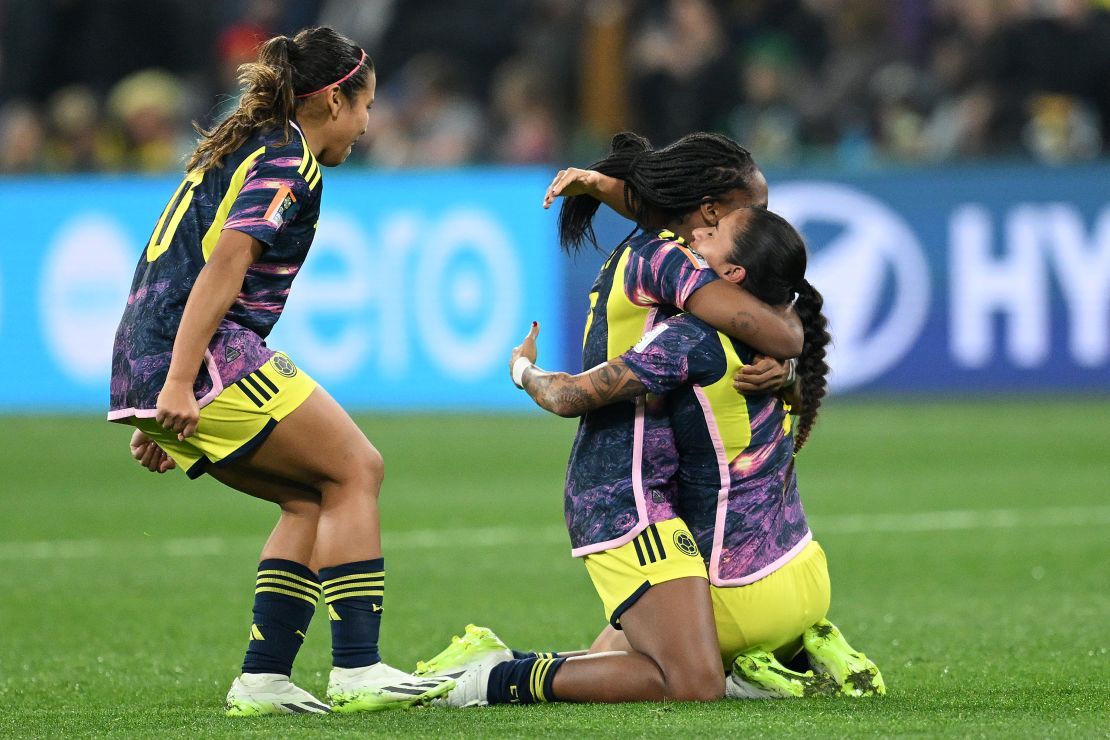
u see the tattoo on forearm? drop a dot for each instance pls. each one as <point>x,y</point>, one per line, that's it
<point>607,380</point>
<point>743,324</point>
<point>574,395</point>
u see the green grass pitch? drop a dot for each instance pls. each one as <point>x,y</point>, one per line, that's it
<point>968,544</point>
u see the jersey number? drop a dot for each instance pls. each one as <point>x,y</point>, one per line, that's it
<point>171,216</point>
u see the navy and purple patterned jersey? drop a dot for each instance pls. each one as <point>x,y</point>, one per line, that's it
<point>737,489</point>
<point>621,474</point>
<point>267,189</point>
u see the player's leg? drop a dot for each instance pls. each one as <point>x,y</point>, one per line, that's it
<point>319,446</point>
<point>680,664</point>
<point>659,594</point>
<point>286,590</point>
<point>609,640</point>
<point>683,664</point>
<point>294,535</point>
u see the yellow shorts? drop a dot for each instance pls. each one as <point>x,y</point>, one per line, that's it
<point>237,420</point>
<point>773,612</point>
<point>663,552</point>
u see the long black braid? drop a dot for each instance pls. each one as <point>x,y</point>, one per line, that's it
<point>812,367</point>
<point>773,255</point>
<point>660,185</point>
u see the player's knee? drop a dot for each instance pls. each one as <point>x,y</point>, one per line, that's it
<point>368,471</point>
<point>306,507</point>
<point>700,683</point>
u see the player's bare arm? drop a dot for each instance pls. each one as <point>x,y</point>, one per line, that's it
<point>215,290</point>
<point>575,181</point>
<point>571,395</point>
<point>774,330</point>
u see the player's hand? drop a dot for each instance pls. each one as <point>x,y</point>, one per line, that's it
<point>763,375</point>
<point>178,410</point>
<point>149,454</point>
<point>527,348</point>
<point>573,181</point>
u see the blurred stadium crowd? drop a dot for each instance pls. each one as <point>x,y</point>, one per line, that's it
<point>113,85</point>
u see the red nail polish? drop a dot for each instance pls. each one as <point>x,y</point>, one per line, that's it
<point>535,323</point>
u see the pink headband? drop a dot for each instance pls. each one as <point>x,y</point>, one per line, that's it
<point>340,81</point>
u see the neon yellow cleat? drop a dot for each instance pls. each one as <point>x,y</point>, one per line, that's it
<point>378,687</point>
<point>257,694</point>
<point>830,654</point>
<point>757,674</point>
<point>477,643</point>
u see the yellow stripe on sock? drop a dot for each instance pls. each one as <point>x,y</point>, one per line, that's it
<point>340,597</point>
<point>333,581</point>
<point>532,679</point>
<point>275,590</point>
<point>313,592</point>
<point>287,574</point>
<point>543,677</point>
<point>378,583</point>
<point>539,670</point>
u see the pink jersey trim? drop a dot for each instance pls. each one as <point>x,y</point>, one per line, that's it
<point>637,477</point>
<point>217,381</point>
<point>767,569</point>
<point>722,511</point>
<point>207,398</point>
<point>637,490</point>
<point>726,483</point>
<point>121,414</point>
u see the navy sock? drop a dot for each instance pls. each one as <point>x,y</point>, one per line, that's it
<point>523,681</point>
<point>353,592</point>
<point>520,654</point>
<point>285,596</point>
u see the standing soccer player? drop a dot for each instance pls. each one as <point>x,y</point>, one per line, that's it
<point>192,372</point>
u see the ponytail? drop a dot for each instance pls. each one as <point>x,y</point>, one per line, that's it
<point>266,102</point>
<point>312,61</point>
<point>812,368</point>
<point>577,212</point>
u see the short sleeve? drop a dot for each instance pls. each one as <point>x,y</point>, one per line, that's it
<point>675,352</point>
<point>273,194</point>
<point>666,276</point>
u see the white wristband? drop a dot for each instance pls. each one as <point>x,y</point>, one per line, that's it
<point>521,364</point>
<point>791,373</point>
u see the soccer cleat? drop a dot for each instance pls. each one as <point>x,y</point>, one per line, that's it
<point>475,644</point>
<point>255,694</point>
<point>472,680</point>
<point>830,654</point>
<point>379,686</point>
<point>757,674</point>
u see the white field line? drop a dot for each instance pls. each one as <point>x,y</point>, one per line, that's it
<point>487,537</point>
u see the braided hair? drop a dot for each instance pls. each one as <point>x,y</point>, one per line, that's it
<point>773,254</point>
<point>660,185</point>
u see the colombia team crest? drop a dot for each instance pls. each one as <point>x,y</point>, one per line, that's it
<point>685,543</point>
<point>284,365</point>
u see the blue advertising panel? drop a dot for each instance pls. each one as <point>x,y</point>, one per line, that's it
<point>945,280</point>
<point>416,289</point>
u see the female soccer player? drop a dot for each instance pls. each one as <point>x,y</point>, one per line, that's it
<point>737,490</point>
<point>192,372</point>
<point>623,466</point>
